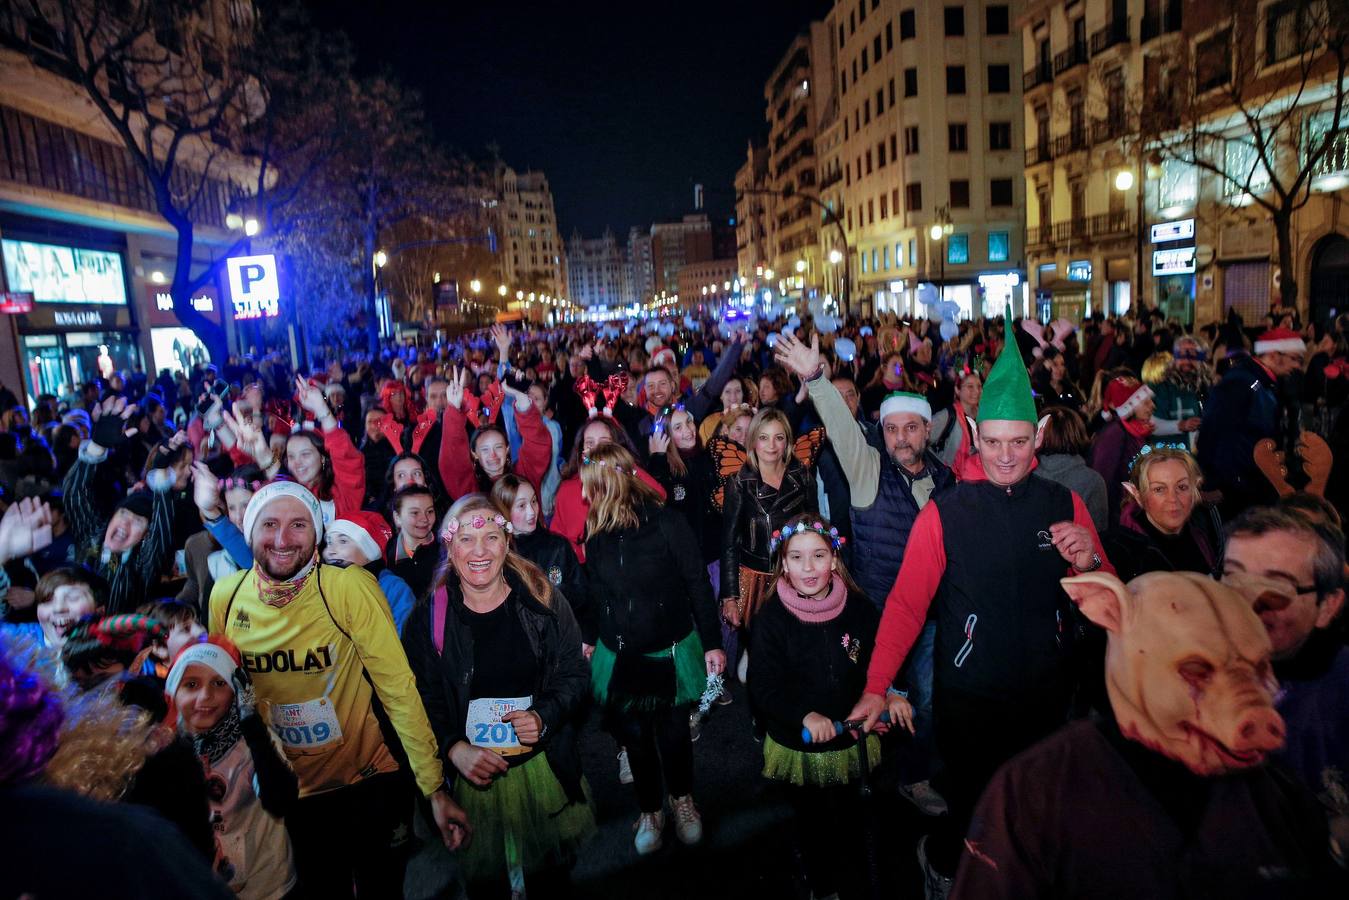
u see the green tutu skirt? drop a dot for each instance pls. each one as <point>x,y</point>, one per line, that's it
<point>825,768</point>
<point>522,816</point>
<point>671,676</point>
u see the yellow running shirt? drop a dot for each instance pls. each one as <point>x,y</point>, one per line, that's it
<point>309,682</point>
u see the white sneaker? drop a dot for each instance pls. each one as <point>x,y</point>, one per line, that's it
<point>936,886</point>
<point>925,797</point>
<point>649,827</point>
<point>742,668</point>
<point>688,821</point>
<point>624,770</point>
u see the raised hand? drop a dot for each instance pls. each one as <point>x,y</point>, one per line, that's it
<point>454,389</point>
<point>802,360</point>
<point>249,435</point>
<point>502,338</point>
<point>110,423</point>
<point>205,490</point>
<point>311,398</point>
<point>25,528</point>
<point>658,442</point>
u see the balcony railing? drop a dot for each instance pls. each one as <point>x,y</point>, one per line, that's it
<point>1040,73</point>
<point>1109,224</point>
<point>830,179</point>
<point>1040,153</point>
<point>1102,225</point>
<point>1103,130</point>
<point>1076,55</point>
<point>1116,32</point>
<point>1074,140</point>
<point>1162,22</point>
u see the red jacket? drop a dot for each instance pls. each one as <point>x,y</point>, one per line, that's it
<point>348,472</point>
<point>456,462</point>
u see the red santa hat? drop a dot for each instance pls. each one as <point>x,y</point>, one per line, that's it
<point>1124,394</point>
<point>366,529</point>
<point>663,358</point>
<point>1280,340</point>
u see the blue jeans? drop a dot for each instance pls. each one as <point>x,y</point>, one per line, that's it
<point>919,759</point>
<point>730,637</point>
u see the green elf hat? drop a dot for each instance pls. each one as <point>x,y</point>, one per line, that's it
<point>1007,394</point>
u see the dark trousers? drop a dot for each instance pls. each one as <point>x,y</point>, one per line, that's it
<point>975,736</point>
<point>829,832</point>
<point>658,744</point>
<point>354,841</point>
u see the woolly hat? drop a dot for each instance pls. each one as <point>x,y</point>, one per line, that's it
<point>220,658</point>
<point>905,402</point>
<point>1123,395</point>
<point>367,530</point>
<point>1007,394</point>
<point>664,358</point>
<point>139,502</point>
<point>1280,340</point>
<point>275,490</point>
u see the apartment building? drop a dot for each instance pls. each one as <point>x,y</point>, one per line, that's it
<point>532,253</point>
<point>598,272</point>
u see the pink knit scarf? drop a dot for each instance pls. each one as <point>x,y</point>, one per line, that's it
<point>815,609</point>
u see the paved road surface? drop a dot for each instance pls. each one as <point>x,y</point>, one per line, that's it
<point>746,852</point>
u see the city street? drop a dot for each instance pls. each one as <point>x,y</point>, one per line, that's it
<point>747,852</point>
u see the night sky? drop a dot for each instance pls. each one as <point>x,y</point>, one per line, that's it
<point>623,106</point>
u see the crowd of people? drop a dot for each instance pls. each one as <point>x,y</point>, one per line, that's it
<point>1078,587</point>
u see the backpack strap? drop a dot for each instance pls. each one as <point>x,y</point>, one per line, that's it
<point>440,602</point>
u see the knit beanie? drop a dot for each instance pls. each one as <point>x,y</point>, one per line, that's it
<point>139,502</point>
<point>1007,394</point>
<point>212,653</point>
<point>274,490</point>
<point>906,402</point>
<point>367,530</point>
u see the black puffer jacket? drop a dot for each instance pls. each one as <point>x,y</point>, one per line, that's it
<point>648,585</point>
<point>753,511</point>
<point>443,680</point>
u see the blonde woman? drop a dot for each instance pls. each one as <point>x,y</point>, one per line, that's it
<point>659,638</point>
<point>771,488</point>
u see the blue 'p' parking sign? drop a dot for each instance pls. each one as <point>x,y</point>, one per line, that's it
<point>255,288</point>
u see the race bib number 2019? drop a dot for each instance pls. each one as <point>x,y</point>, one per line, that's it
<point>306,726</point>
<point>485,728</point>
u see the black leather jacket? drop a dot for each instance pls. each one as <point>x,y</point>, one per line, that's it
<point>753,511</point>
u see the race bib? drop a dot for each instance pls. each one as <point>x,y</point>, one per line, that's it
<point>485,728</point>
<point>306,726</point>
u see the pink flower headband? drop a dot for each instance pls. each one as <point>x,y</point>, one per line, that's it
<point>229,484</point>
<point>478,521</point>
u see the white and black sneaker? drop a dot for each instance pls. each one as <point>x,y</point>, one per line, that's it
<point>624,770</point>
<point>936,886</point>
<point>922,795</point>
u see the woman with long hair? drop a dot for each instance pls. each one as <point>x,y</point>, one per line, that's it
<point>1165,526</point>
<point>811,649</point>
<point>570,508</point>
<point>1049,377</point>
<point>473,464</point>
<point>771,488</point>
<point>659,638</point>
<point>496,653</point>
<point>1128,408</point>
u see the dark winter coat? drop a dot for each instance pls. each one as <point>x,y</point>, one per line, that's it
<point>553,554</point>
<point>753,511</point>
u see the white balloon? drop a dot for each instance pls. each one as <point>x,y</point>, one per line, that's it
<point>826,324</point>
<point>949,329</point>
<point>794,322</point>
<point>816,306</point>
<point>865,331</point>
<point>652,343</point>
<point>690,323</point>
<point>773,339</point>
<point>845,349</point>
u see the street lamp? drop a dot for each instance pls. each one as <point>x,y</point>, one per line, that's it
<point>940,229</point>
<point>381,258</point>
<point>519,295</point>
<point>1124,182</point>
<point>251,227</point>
<point>501,290</point>
<point>800,266</point>
<point>835,257</point>
<point>475,286</point>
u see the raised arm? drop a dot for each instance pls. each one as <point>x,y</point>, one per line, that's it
<point>455,463</point>
<point>701,403</point>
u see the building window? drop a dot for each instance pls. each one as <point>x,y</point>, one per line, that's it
<point>875,258</point>
<point>1179,184</point>
<point>885,251</point>
<point>1243,170</point>
<point>957,137</point>
<point>910,82</point>
<point>899,255</point>
<point>1213,61</point>
<point>1287,26</point>
<point>885,214</point>
<point>854,71</point>
<point>999,246</point>
<point>893,154</point>
<point>999,79</point>
<point>1000,192</point>
<point>880,101</point>
<point>1000,135</point>
<point>958,249</point>
<point>861,11</point>
<point>960,194</point>
<point>913,251</point>
<point>910,140</point>
<point>955,21</point>
<point>845,127</point>
<point>840,36</point>
<point>868,162</point>
<point>843,81</point>
<point>906,25</point>
<point>880,155</point>
<point>866,111</point>
<point>876,48</point>
<point>996,20</point>
<point>864,262</point>
<point>894,200</point>
<point>889,36</point>
<point>891,91</point>
<point>913,196</point>
<point>955,80</point>
<point>864,60</point>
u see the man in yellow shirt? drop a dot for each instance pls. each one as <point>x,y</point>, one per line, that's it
<point>327,665</point>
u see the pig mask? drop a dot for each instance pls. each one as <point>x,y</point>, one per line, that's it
<point>1187,667</point>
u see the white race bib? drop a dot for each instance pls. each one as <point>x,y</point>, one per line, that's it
<point>305,726</point>
<point>485,728</point>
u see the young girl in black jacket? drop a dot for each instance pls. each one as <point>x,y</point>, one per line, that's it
<point>659,637</point>
<point>811,645</point>
<point>516,499</point>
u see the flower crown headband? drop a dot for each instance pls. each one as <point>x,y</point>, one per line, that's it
<point>478,521</point>
<point>1149,448</point>
<point>781,536</point>
<point>229,484</point>
<point>589,460</point>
